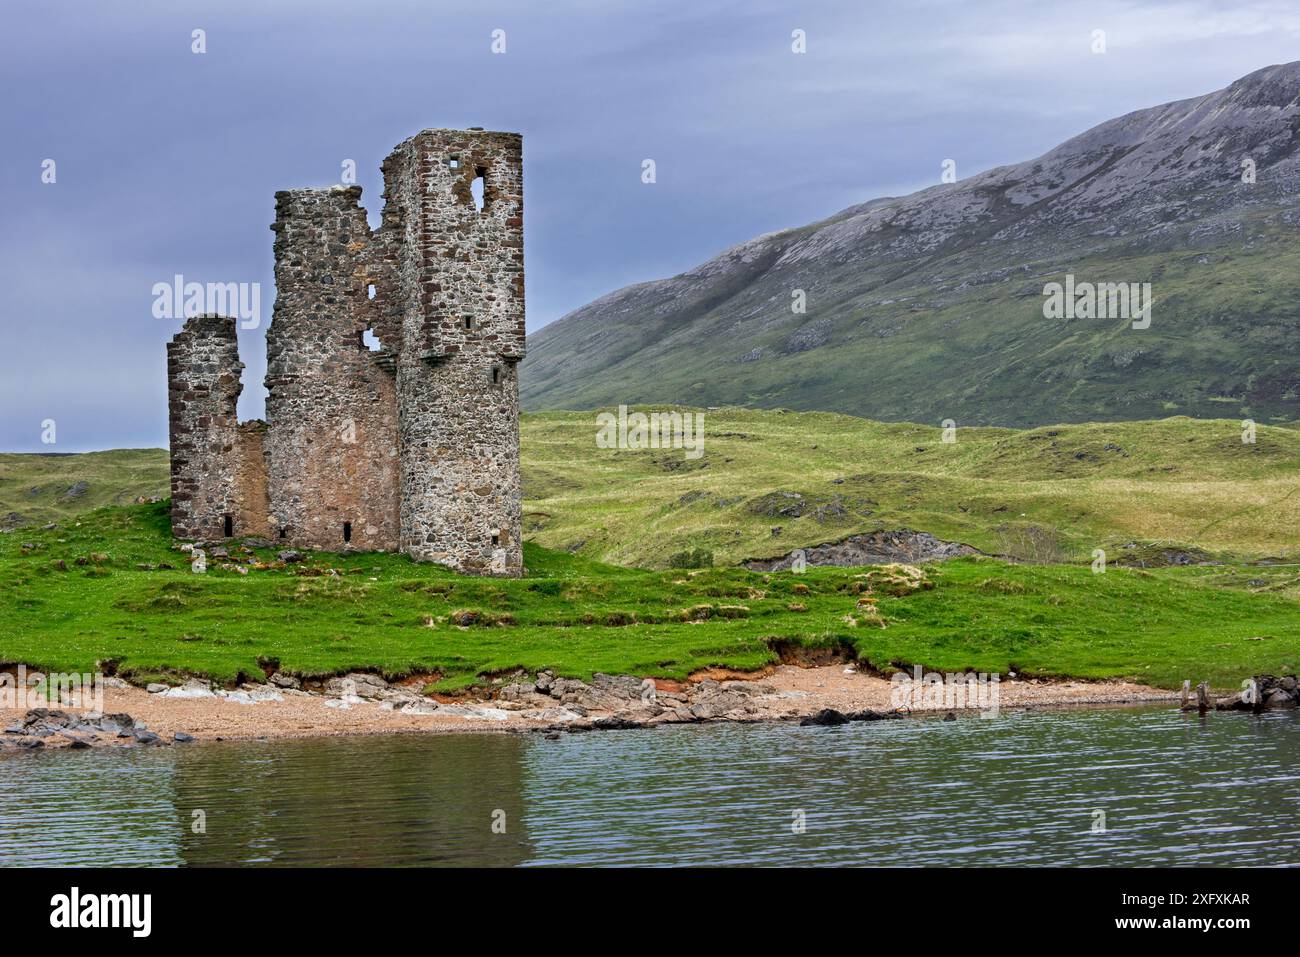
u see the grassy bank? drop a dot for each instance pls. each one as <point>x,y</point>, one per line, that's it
<point>95,591</point>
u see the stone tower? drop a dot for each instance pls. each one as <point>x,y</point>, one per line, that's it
<point>457,199</point>
<point>203,389</point>
<point>392,371</point>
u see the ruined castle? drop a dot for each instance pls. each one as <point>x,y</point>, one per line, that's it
<point>392,419</point>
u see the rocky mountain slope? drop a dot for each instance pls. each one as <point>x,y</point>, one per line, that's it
<point>930,306</point>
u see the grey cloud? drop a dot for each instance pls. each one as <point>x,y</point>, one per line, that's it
<point>168,160</point>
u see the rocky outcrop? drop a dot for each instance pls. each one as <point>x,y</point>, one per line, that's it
<point>202,688</point>
<point>869,548</point>
<point>80,730</point>
<point>1268,693</point>
<point>829,716</point>
<point>613,702</point>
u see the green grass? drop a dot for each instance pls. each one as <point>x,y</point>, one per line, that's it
<point>1177,481</point>
<point>602,526</point>
<point>578,616</point>
<point>36,489</point>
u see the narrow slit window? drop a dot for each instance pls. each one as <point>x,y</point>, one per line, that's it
<point>284,533</point>
<point>347,531</point>
<point>496,375</point>
<point>496,540</point>
<point>229,525</point>
<point>370,290</point>
<point>469,322</point>
<point>477,188</point>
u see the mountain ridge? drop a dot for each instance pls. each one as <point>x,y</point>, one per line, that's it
<point>893,284</point>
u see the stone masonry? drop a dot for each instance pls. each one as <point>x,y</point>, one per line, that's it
<point>409,442</point>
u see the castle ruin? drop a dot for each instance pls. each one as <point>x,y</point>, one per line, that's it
<point>411,446</point>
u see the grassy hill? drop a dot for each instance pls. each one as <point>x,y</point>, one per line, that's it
<point>1182,481</point>
<point>36,489</point>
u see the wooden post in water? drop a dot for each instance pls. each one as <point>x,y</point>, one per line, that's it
<point>1187,694</point>
<point>1203,702</point>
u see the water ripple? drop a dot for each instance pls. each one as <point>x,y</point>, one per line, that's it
<point>1022,789</point>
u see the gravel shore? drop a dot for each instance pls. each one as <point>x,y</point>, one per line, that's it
<point>362,704</point>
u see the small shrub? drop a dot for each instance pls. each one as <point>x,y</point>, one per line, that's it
<point>1001,586</point>
<point>897,580</point>
<point>692,558</point>
<point>464,617</point>
<point>870,614</point>
<point>1027,542</point>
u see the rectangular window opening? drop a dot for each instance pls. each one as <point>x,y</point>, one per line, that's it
<point>230,526</point>
<point>469,322</point>
<point>454,161</point>
<point>496,375</point>
<point>370,291</point>
<point>496,540</point>
<point>284,533</point>
<point>347,531</point>
<point>477,188</point>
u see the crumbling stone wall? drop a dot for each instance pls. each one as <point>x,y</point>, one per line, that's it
<point>414,445</point>
<point>210,497</point>
<point>252,515</point>
<point>332,463</point>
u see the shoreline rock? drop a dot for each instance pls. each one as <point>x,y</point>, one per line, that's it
<point>1270,693</point>
<point>523,702</point>
<point>87,730</point>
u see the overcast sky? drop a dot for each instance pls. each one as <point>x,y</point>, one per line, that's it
<point>167,160</point>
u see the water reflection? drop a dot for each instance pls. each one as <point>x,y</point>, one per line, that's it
<point>355,802</point>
